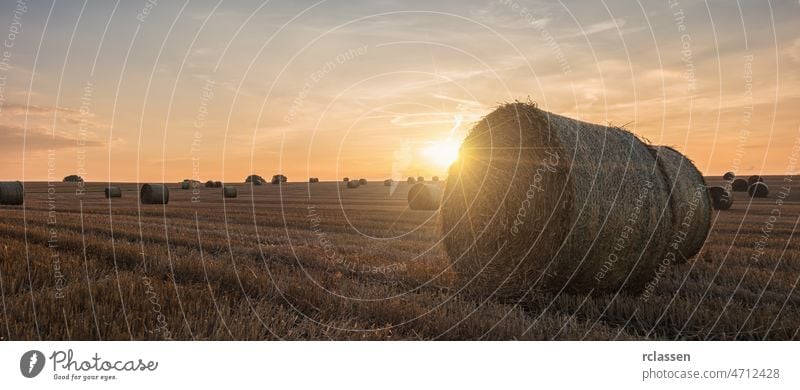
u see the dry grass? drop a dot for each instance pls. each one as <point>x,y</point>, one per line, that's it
<point>286,262</point>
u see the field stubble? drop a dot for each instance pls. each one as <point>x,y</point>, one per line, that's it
<point>321,262</point>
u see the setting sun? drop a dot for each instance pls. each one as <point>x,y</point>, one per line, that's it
<point>441,153</point>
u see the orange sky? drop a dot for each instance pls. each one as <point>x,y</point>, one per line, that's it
<point>362,89</point>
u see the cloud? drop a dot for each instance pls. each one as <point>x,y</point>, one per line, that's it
<point>793,51</point>
<point>604,26</point>
<point>12,138</point>
<point>513,15</point>
<point>13,111</point>
<point>601,27</point>
<point>21,109</point>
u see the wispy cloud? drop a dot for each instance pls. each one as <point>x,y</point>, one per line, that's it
<point>793,51</point>
<point>13,112</point>
<point>14,138</point>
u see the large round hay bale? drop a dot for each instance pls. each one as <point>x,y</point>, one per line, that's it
<point>689,200</point>
<point>728,176</point>
<point>721,198</point>
<point>12,193</point>
<point>754,179</point>
<point>388,182</point>
<point>739,185</point>
<point>541,202</point>
<point>423,196</point>
<point>353,184</point>
<point>758,190</point>
<point>113,192</point>
<point>411,180</point>
<point>154,194</point>
<point>362,182</point>
<point>229,191</point>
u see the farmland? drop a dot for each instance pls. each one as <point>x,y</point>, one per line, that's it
<point>319,261</point>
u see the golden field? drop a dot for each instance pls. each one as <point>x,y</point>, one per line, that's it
<point>319,261</point>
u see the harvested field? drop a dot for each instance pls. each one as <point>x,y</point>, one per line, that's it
<point>320,262</point>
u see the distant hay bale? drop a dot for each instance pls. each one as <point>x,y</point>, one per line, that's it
<point>113,192</point>
<point>278,179</point>
<point>728,176</point>
<point>435,179</point>
<point>154,194</point>
<point>689,200</point>
<point>721,199</point>
<point>255,180</point>
<point>313,180</point>
<point>423,196</point>
<point>12,193</point>
<point>758,190</point>
<point>346,179</point>
<point>549,211</point>
<point>353,184</point>
<point>754,179</point>
<point>73,179</point>
<point>388,182</point>
<point>411,180</point>
<point>229,191</point>
<point>210,184</point>
<point>739,185</point>
<point>420,179</point>
<point>362,182</point>
<point>188,184</point>
<point>217,184</point>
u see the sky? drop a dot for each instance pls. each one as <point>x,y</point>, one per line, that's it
<point>162,91</point>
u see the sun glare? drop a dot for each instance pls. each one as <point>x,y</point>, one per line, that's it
<point>441,153</point>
